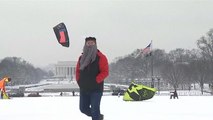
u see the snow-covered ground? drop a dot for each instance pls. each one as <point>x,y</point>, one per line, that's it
<point>113,108</point>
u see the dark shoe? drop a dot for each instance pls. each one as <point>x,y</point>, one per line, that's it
<point>101,116</point>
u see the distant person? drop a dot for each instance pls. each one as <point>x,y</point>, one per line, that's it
<point>174,95</point>
<point>91,70</point>
<point>119,93</point>
<point>37,94</point>
<point>73,93</point>
<point>61,93</point>
<point>2,87</point>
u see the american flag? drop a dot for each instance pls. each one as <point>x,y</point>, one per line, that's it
<point>147,51</point>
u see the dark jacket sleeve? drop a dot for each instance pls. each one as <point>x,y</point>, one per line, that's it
<point>103,67</point>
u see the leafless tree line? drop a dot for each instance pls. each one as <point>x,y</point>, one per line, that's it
<point>179,67</point>
<point>20,71</point>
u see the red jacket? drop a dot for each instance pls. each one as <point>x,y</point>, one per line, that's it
<point>3,83</point>
<point>103,67</point>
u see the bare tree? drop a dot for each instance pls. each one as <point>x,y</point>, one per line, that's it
<point>205,45</point>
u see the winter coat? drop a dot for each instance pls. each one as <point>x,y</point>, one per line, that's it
<point>92,77</point>
<point>2,84</point>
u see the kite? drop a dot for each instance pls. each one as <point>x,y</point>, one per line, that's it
<point>62,34</point>
<point>137,92</point>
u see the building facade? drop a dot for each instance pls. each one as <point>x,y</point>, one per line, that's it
<point>65,69</point>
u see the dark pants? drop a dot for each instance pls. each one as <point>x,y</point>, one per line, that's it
<point>2,94</point>
<point>173,96</point>
<point>90,103</point>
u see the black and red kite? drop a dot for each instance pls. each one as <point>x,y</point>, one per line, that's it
<point>62,34</point>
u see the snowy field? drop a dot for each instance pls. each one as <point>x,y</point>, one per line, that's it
<point>113,108</point>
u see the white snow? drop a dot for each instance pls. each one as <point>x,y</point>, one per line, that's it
<point>113,108</point>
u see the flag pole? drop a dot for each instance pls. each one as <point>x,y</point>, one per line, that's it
<point>152,74</point>
<point>148,52</point>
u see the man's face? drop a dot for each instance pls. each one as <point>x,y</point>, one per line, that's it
<point>90,43</point>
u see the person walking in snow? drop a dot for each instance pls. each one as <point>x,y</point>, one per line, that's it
<point>73,93</point>
<point>174,94</point>
<point>91,70</point>
<point>2,87</point>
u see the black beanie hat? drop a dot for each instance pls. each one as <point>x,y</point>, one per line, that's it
<point>90,38</point>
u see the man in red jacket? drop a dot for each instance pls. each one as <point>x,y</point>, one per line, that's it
<point>91,70</point>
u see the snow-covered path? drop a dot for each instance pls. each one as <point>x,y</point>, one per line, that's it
<point>113,107</point>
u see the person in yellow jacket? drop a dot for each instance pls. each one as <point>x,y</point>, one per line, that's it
<point>2,87</point>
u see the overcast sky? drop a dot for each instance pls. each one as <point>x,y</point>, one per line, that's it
<point>120,26</point>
